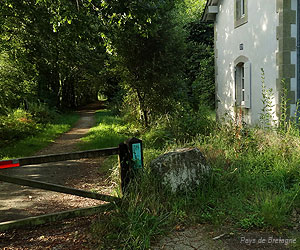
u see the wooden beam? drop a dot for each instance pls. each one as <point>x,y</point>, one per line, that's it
<point>58,188</point>
<point>43,219</point>
<point>68,156</point>
<point>58,157</point>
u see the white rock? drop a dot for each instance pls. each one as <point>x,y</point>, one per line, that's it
<point>181,169</point>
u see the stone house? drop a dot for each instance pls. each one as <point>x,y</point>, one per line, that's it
<point>251,35</point>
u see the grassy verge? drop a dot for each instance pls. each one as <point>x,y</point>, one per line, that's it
<point>255,183</point>
<point>32,144</point>
<point>131,225</point>
<point>256,178</point>
<point>109,132</point>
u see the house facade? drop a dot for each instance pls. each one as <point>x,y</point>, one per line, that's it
<point>251,37</point>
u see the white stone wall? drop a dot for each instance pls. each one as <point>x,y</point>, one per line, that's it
<point>258,36</point>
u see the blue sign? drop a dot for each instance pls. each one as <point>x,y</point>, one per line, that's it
<point>137,155</point>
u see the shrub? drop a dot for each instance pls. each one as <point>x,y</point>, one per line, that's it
<point>41,112</point>
<point>18,124</point>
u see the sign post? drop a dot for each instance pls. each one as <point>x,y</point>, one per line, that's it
<point>136,150</point>
<point>130,161</point>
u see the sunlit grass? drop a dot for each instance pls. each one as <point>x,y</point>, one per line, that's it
<point>109,131</point>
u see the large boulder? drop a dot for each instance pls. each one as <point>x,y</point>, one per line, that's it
<point>181,169</point>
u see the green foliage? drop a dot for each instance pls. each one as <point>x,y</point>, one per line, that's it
<point>20,123</point>
<point>188,124</point>
<point>179,128</point>
<point>148,49</point>
<point>254,183</point>
<point>64,53</point>
<point>199,66</point>
<point>255,173</point>
<point>109,132</point>
<point>134,223</point>
<point>40,138</point>
<point>192,10</point>
<point>202,88</point>
<point>41,112</point>
<point>15,84</point>
<point>15,126</point>
<point>55,52</point>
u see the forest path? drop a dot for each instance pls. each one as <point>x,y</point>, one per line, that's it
<point>18,202</point>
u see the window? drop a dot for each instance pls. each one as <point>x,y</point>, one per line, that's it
<point>240,15</point>
<point>242,10</point>
<point>243,85</point>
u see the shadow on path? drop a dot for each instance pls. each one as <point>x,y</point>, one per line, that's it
<point>18,202</point>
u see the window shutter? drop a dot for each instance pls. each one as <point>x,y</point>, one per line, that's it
<point>247,68</point>
<point>238,9</point>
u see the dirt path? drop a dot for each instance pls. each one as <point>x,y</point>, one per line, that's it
<point>18,202</point>
<point>209,237</point>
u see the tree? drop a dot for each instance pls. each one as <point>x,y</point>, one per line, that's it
<point>148,51</point>
<point>57,45</point>
<point>199,67</point>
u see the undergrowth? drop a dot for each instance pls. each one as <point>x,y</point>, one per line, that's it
<point>35,135</point>
<point>254,183</point>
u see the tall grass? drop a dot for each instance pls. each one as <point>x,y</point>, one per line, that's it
<point>255,181</point>
<point>256,177</point>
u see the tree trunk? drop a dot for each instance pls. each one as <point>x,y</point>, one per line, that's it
<point>143,109</point>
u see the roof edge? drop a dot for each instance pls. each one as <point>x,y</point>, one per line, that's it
<point>206,16</point>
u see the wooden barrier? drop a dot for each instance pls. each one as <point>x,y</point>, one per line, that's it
<point>48,218</point>
<point>130,160</point>
<point>61,157</point>
<point>58,188</point>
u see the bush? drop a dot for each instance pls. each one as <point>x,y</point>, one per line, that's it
<point>41,112</point>
<point>17,125</point>
<point>181,127</point>
<point>188,124</point>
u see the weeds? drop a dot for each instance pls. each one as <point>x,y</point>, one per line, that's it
<point>254,184</point>
<point>283,119</point>
<point>267,114</point>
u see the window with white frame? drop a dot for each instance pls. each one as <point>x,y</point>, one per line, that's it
<point>243,85</point>
<point>241,12</point>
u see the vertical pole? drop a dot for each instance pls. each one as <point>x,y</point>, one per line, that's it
<point>124,166</point>
<point>130,161</point>
<point>298,63</point>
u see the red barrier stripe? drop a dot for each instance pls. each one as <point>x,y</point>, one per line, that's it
<point>9,164</point>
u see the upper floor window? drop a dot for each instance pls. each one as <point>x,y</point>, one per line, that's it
<point>240,12</point>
